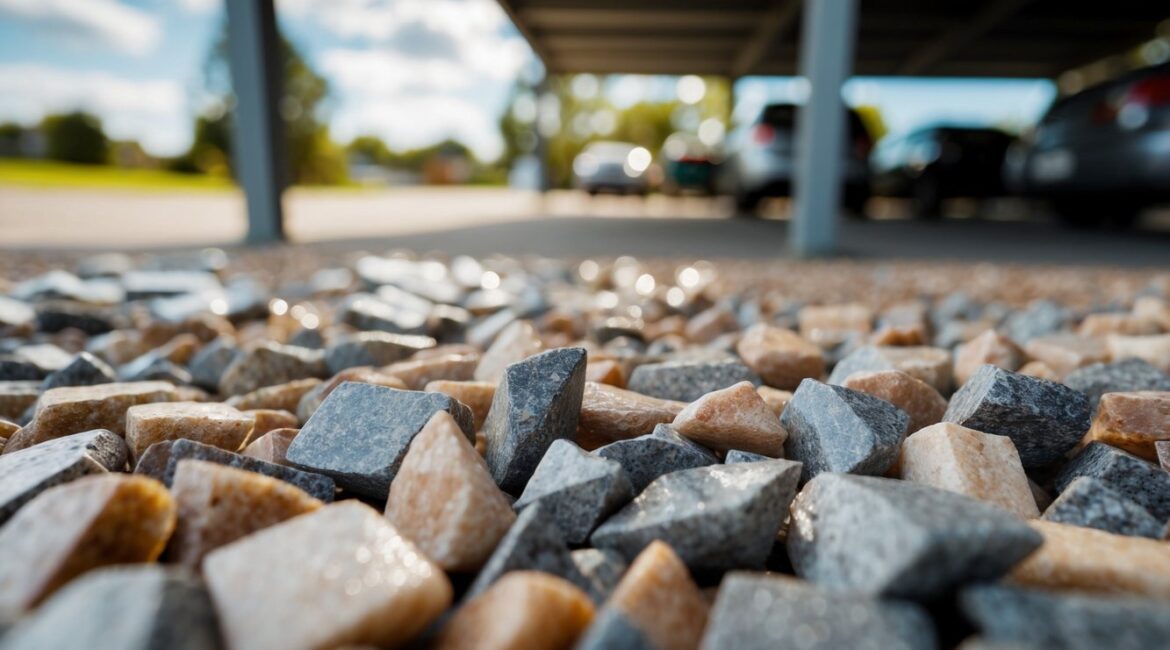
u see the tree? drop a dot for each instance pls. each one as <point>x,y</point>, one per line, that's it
<point>75,137</point>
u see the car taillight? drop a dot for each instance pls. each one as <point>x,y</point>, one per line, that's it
<point>1151,92</point>
<point>763,133</point>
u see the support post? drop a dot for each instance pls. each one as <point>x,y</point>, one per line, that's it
<point>544,170</point>
<point>258,137</point>
<point>826,54</point>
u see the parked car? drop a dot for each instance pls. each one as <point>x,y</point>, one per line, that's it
<point>688,165</point>
<point>618,167</point>
<point>761,160</point>
<point>937,163</point>
<point>1103,154</point>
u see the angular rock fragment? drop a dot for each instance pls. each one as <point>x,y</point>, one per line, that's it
<point>64,411</point>
<point>346,573</point>
<point>927,364</point>
<point>602,568</point>
<point>265,420</point>
<point>1041,317</point>
<point>1083,559</point>
<point>523,609</point>
<point>828,325</point>
<point>217,504</point>
<point>209,363</point>
<point>84,370</point>
<point>444,500</point>
<point>30,472</point>
<point>272,447</point>
<point>533,543</point>
<point>780,357</point>
<point>918,399</point>
<point>538,401</point>
<point>715,517</point>
<point>69,529</point>
<point>1137,480</point>
<point>515,343</point>
<point>687,381</point>
<point>420,371</point>
<point>980,465</point>
<point>477,395</point>
<point>211,423</point>
<point>1125,376</point>
<point>1132,421</point>
<point>834,429</point>
<point>756,611</point>
<point>1091,503</point>
<point>156,608</point>
<point>609,413</point>
<point>606,371</point>
<point>1044,419</point>
<point>269,365</point>
<point>312,399</point>
<point>990,347</point>
<point>884,537</point>
<point>656,605</point>
<point>361,433</point>
<point>663,451</point>
<point>34,362</point>
<point>280,397</point>
<point>161,459</point>
<point>578,489</point>
<point>735,417</point>
<point>1067,352</point>
<point>16,397</point>
<point>1163,450</point>
<point>1154,349</point>
<point>373,349</point>
<point>775,399</point>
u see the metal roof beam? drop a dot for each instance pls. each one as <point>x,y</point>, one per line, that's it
<point>955,38</point>
<point>779,17</point>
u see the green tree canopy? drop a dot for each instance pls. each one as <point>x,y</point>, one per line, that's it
<point>75,137</point>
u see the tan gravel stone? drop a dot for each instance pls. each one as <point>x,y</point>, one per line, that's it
<point>831,324</point>
<point>67,530</point>
<point>609,413</point>
<point>8,428</point>
<point>1152,311</point>
<point>1040,370</point>
<point>444,499</point>
<point>1132,421</point>
<point>523,610</point>
<point>341,575</point>
<point>775,398</point>
<point>517,342</point>
<point>779,356</point>
<point>217,505</point>
<point>1113,323</point>
<point>735,417</point>
<point>710,325</point>
<point>281,397</point>
<point>417,373</point>
<point>64,411</point>
<point>1154,349</point>
<point>606,371</point>
<point>265,420</point>
<point>16,397</point>
<point>900,335</point>
<point>211,423</point>
<point>658,596</point>
<point>477,395</point>
<point>920,400</point>
<point>1085,559</point>
<point>1067,352</point>
<point>990,347</point>
<point>980,465</point>
<point>272,446</point>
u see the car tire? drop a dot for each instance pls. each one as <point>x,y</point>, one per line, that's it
<point>926,197</point>
<point>746,204</point>
<point>854,203</point>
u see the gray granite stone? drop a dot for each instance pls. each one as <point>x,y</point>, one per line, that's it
<point>875,358</point>
<point>1091,503</point>
<point>835,429</point>
<point>737,456</point>
<point>687,381</point>
<point>162,458</point>
<point>533,543</point>
<point>1125,376</point>
<point>28,472</point>
<point>155,369</point>
<point>209,363</point>
<point>361,433</point>
<point>374,349</point>
<point>12,369</point>
<point>601,567</point>
<point>268,365</point>
<point>368,312</point>
<point>84,370</point>
<point>578,488</point>
<point>886,537</point>
<point>611,630</point>
<point>1037,319</point>
<point>144,607</point>
<point>716,517</point>
<point>647,457</point>
<point>755,611</point>
<point>1043,418</point>
<point>1162,447</point>
<point>16,397</point>
<point>57,316</point>
<point>149,283</point>
<point>537,401</point>
<point>38,361</point>
<point>1134,478</point>
<point>1066,620</point>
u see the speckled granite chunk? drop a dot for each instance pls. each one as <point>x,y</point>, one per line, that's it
<point>647,457</point>
<point>885,537</point>
<point>756,611</point>
<point>373,349</point>
<point>1091,503</point>
<point>29,472</point>
<point>835,429</point>
<point>1137,480</point>
<point>714,517</point>
<point>271,364</point>
<point>361,433</point>
<point>1043,418</point>
<point>1118,377</point>
<point>209,363</point>
<point>927,364</point>
<point>579,489</point>
<point>737,456</point>
<point>687,381</point>
<point>538,401</point>
<point>84,370</point>
<point>602,568</point>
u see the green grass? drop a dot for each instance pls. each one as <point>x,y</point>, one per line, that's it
<point>40,173</point>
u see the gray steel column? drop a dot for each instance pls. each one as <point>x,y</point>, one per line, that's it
<point>258,137</point>
<point>544,170</point>
<point>826,55</point>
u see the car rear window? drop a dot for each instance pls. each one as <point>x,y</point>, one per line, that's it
<point>783,116</point>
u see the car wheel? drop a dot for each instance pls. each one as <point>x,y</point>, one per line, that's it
<point>927,199</point>
<point>746,204</point>
<point>855,201</point>
<point>1082,213</point>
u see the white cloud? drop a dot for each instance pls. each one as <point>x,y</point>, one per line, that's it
<point>152,112</point>
<point>105,23</point>
<point>417,120</point>
<point>202,6</point>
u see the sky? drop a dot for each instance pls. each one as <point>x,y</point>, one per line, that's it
<point>412,72</point>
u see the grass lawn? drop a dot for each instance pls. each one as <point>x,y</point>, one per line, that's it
<point>40,173</point>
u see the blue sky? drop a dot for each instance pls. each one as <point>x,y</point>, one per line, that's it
<point>410,71</point>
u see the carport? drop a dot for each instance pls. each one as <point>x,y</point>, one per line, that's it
<point>825,41</point>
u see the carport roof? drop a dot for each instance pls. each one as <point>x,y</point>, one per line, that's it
<point>949,38</point>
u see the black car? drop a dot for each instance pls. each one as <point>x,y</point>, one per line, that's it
<point>1103,154</point>
<point>940,162</point>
